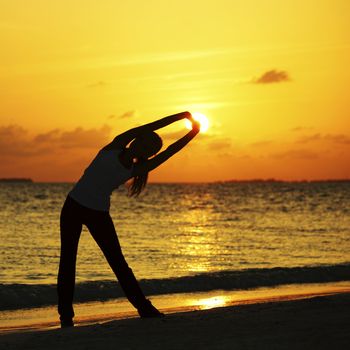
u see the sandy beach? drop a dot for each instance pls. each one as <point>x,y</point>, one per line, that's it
<point>320,322</point>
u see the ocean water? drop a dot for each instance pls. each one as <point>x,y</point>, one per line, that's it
<point>181,237</point>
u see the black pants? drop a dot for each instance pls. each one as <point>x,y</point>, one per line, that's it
<point>100,225</point>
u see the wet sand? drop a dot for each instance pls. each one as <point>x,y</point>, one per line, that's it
<point>316,322</point>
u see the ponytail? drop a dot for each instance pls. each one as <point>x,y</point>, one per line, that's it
<point>138,182</point>
<point>154,144</point>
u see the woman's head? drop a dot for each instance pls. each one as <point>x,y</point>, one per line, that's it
<point>142,148</point>
<point>146,145</point>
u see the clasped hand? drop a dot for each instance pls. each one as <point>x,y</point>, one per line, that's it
<point>195,124</point>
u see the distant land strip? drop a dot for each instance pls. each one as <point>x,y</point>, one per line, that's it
<point>270,180</point>
<point>283,181</point>
<point>16,179</point>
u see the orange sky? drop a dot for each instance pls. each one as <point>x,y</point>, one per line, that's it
<point>272,76</point>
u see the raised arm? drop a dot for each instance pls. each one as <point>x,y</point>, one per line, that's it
<point>125,138</point>
<point>165,155</point>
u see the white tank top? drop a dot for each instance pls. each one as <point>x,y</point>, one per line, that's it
<point>100,178</point>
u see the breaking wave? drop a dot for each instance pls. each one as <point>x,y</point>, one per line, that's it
<point>18,296</point>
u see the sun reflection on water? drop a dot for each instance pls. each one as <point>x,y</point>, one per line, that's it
<point>198,239</point>
<point>210,303</point>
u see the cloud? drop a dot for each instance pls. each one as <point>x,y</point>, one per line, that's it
<point>296,154</point>
<point>340,138</point>
<point>332,138</point>
<point>9,131</point>
<point>15,141</point>
<point>220,144</point>
<point>126,115</point>
<point>262,143</point>
<point>272,76</point>
<point>48,136</point>
<point>301,128</point>
<point>155,57</point>
<point>97,84</point>
<point>83,138</point>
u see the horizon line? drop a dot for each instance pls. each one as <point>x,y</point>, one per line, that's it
<point>252,180</point>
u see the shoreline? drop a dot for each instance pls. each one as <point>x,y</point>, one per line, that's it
<point>44,318</point>
<point>320,322</point>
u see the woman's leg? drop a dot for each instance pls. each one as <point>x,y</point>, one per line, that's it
<point>102,229</point>
<point>71,227</point>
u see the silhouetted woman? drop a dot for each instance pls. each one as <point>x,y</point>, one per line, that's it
<point>126,157</point>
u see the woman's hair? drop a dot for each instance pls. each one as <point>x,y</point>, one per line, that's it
<point>138,182</point>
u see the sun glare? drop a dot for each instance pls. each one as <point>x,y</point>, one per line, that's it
<point>201,118</point>
<point>210,303</point>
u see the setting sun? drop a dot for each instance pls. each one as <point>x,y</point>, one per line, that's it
<point>201,118</point>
